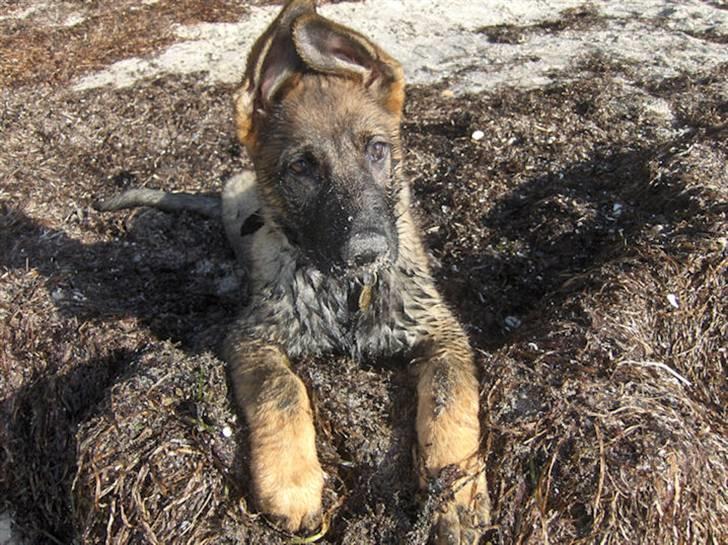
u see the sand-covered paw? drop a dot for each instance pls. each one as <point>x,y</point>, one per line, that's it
<point>465,516</point>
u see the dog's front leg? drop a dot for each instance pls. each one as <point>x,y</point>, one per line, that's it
<point>287,477</point>
<point>448,430</point>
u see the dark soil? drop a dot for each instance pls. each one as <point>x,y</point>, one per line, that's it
<point>560,239</point>
<point>580,18</point>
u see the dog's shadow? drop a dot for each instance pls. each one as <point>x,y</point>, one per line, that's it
<point>171,273</point>
<point>167,277</point>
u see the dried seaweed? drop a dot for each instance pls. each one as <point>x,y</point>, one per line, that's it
<point>593,214</point>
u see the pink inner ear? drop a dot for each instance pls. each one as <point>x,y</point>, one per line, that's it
<point>278,65</point>
<point>269,79</point>
<point>345,50</point>
<point>346,56</point>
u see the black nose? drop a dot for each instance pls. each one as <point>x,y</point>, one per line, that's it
<point>365,247</point>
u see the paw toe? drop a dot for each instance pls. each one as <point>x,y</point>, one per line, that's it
<point>311,520</point>
<point>466,516</point>
<point>447,531</point>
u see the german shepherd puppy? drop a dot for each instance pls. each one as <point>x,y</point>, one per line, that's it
<point>335,264</point>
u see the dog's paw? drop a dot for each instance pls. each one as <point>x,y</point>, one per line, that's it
<point>465,516</point>
<point>289,489</point>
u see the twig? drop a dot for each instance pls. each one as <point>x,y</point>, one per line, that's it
<point>602,473</point>
<point>659,365</point>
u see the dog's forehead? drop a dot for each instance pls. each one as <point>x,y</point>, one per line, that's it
<point>330,106</point>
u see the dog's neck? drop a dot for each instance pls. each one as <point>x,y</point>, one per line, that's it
<point>338,312</point>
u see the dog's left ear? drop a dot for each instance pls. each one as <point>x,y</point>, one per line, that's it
<point>331,48</point>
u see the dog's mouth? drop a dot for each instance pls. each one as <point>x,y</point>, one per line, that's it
<point>362,290</point>
<point>363,273</point>
<point>360,273</point>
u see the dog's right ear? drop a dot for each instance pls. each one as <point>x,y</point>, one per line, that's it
<point>331,48</point>
<point>272,63</point>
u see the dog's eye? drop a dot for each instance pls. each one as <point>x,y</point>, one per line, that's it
<point>299,167</point>
<point>377,151</point>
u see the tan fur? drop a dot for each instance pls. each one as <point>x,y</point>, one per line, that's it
<point>289,480</point>
<point>287,476</point>
<point>243,118</point>
<point>448,433</point>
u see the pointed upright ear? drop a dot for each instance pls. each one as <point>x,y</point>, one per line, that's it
<point>331,48</point>
<point>272,63</point>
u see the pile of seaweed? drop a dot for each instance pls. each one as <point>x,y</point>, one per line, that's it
<point>596,291</point>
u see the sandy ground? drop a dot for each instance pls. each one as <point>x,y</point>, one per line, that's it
<point>581,240</point>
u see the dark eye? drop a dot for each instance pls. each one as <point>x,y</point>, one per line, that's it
<point>377,151</point>
<point>299,167</point>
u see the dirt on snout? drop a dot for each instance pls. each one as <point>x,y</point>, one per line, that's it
<point>582,240</point>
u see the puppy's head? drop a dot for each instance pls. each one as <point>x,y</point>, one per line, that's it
<point>319,113</point>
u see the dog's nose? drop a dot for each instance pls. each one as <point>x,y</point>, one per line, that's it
<point>365,247</point>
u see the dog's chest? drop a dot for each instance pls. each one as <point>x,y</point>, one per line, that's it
<point>310,314</point>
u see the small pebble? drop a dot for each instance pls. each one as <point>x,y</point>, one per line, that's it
<point>512,322</point>
<point>672,299</point>
<point>227,431</point>
<point>447,93</point>
<point>477,135</point>
<point>78,296</point>
<point>617,209</point>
